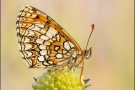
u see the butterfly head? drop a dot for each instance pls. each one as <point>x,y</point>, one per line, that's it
<point>81,57</point>
<point>87,53</point>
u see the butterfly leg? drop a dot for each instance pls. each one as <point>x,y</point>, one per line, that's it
<point>59,71</point>
<point>81,72</point>
<point>69,66</point>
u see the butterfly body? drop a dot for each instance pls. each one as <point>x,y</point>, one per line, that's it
<point>44,43</point>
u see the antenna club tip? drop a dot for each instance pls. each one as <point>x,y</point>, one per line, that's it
<point>93,26</point>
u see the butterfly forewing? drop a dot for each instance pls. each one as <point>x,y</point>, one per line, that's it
<point>42,42</point>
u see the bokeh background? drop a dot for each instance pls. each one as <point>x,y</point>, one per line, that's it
<point>112,63</point>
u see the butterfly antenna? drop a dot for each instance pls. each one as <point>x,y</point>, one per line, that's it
<point>90,35</point>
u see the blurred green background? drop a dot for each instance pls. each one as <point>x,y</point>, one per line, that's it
<point>112,63</point>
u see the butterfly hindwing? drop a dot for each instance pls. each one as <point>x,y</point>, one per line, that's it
<point>43,43</point>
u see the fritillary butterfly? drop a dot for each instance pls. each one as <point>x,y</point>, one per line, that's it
<point>44,43</point>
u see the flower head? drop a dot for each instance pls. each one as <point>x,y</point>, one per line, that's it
<point>66,80</point>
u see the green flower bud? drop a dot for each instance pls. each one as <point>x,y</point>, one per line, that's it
<point>66,80</point>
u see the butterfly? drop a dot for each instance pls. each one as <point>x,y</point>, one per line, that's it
<point>44,43</point>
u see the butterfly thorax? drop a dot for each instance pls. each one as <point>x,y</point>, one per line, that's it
<point>81,57</point>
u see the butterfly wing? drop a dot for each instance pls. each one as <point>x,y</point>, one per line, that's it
<point>44,43</point>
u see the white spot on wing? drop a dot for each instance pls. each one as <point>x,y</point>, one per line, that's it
<point>56,48</point>
<point>46,56</point>
<point>64,51</point>
<point>28,14</point>
<point>29,32</point>
<point>40,41</point>
<point>41,58</point>
<point>40,25</point>
<point>42,31</point>
<point>26,39</point>
<point>43,52</point>
<point>44,37</point>
<point>58,37</point>
<point>71,44</point>
<point>36,28</point>
<point>28,46</point>
<point>45,63</point>
<point>59,55</point>
<point>42,46</point>
<point>52,31</point>
<point>50,62</point>
<point>32,26</point>
<point>66,45</point>
<point>74,54</point>
<point>47,43</point>
<point>48,35</point>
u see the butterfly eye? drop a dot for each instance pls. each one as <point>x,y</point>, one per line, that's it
<point>87,53</point>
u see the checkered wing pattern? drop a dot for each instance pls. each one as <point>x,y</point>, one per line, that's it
<point>42,42</point>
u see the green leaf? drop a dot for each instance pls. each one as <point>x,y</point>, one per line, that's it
<point>86,80</point>
<point>87,86</point>
<point>35,79</point>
